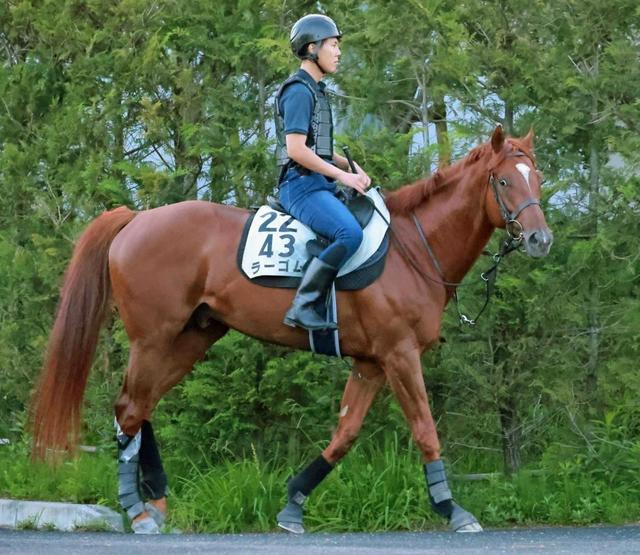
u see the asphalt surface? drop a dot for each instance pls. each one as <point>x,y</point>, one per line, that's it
<point>591,541</point>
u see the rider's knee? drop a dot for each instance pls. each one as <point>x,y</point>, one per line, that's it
<point>352,237</point>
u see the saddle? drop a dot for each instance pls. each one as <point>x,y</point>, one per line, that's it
<point>275,248</point>
<point>361,207</point>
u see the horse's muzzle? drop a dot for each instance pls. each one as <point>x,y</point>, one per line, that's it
<point>538,242</point>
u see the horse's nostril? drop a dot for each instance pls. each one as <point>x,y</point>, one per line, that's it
<point>538,242</point>
<point>540,238</point>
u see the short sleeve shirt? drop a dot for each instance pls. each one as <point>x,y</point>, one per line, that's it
<point>296,105</point>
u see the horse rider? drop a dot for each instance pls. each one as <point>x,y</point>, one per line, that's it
<point>309,168</point>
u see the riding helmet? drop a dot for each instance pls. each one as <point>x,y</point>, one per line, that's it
<point>311,28</point>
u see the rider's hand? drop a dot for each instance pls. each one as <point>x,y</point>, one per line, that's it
<point>356,181</point>
<point>363,174</point>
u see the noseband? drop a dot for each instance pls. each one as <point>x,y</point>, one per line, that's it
<point>514,228</point>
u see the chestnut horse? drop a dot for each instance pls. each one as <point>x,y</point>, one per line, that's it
<point>171,272</point>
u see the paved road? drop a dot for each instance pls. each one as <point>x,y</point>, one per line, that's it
<point>591,541</point>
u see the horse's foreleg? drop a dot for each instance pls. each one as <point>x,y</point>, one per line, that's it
<point>404,373</point>
<point>154,368</point>
<point>362,386</point>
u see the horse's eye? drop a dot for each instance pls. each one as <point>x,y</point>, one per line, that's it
<point>503,182</point>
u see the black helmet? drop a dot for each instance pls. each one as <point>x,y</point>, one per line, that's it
<point>311,28</point>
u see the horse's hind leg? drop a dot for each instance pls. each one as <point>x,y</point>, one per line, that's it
<point>154,368</point>
<point>362,386</point>
<point>154,478</point>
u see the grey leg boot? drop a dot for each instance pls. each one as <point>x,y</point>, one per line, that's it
<point>311,295</point>
<point>298,489</point>
<point>442,500</point>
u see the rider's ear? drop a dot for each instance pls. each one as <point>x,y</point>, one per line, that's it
<point>497,139</point>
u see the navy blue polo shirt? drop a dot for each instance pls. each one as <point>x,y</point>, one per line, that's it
<point>296,104</point>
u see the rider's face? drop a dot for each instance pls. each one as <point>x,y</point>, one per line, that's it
<point>329,55</point>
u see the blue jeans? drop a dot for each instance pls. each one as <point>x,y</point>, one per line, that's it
<point>311,199</point>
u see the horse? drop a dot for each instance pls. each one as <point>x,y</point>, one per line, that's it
<point>171,272</point>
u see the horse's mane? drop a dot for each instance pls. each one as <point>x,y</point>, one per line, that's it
<point>409,197</point>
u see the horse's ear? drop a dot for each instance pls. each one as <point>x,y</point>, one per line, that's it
<point>528,139</point>
<point>497,139</point>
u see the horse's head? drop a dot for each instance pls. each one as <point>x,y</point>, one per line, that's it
<point>513,193</point>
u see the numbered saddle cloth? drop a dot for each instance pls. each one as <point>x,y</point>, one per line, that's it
<point>275,247</point>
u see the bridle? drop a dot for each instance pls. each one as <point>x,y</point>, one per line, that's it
<point>515,235</point>
<point>512,225</point>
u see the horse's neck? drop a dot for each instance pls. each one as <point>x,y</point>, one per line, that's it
<point>456,225</point>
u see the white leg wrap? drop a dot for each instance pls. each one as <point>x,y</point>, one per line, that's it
<point>128,472</point>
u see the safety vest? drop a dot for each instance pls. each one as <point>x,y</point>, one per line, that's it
<point>320,133</point>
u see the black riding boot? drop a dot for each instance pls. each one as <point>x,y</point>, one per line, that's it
<point>313,289</point>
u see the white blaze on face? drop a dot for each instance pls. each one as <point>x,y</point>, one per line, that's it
<point>524,170</point>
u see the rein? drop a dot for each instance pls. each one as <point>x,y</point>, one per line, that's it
<point>488,276</point>
<point>515,234</point>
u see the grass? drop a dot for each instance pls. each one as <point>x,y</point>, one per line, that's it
<point>28,524</point>
<point>374,489</point>
<point>95,526</point>
<point>89,478</point>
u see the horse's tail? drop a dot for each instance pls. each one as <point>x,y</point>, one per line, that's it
<point>84,300</point>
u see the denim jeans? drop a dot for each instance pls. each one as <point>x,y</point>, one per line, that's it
<point>311,200</point>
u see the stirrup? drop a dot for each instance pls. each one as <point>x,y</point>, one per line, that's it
<point>294,323</point>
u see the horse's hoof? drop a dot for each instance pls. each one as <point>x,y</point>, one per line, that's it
<point>473,527</point>
<point>292,527</point>
<point>463,521</point>
<point>156,514</point>
<point>145,525</point>
<point>290,518</point>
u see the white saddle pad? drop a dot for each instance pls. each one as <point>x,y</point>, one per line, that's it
<point>277,243</point>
